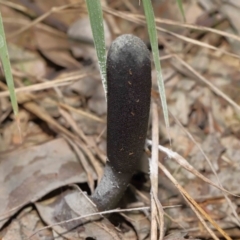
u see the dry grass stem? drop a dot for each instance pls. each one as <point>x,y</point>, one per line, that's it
<point>209,84</point>
<point>157,214</point>
<point>212,168</point>
<point>45,85</point>
<point>41,18</point>
<point>195,206</point>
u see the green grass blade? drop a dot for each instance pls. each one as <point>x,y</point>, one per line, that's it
<point>7,68</point>
<point>154,44</point>
<point>179,3</point>
<point>96,20</point>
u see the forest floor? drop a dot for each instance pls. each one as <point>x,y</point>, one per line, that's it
<point>58,146</point>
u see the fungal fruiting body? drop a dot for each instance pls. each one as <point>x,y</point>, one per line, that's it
<point>128,104</point>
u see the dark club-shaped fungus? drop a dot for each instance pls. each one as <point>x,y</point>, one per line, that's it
<point>128,103</point>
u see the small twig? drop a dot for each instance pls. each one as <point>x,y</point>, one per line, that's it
<point>209,84</point>
<point>90,215</point>
<point>45,85</point>
<point>172,154</point>
<point>154,172</point>
<point>41,18</point>
<point>83,161</point>
<point>81,112</point>
<point>211,166</point>
<point>184,163</point>
<point>138,19</point>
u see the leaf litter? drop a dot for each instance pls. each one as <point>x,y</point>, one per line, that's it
<point>63,127</point>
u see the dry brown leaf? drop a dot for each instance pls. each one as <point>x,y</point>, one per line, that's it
<point>179,236</point>
<point>83,47</point>
<point>212,148</point>
<point>232,145</point>
<point>28,174</point>
<point>27,222</point>
<point>64,17</point>
<point>55,49</point>
<point>84,87</point>
<point>141,226</point>
<point>27,61</point>
<point>71,205</point>
<point>23,133</point>
<point>180,107</point>
<point>192,11</point>
<point>98,102</point>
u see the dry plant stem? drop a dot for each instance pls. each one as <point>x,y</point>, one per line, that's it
<point>184,163</point>
<point>196,207</point>
<point>137,19</point>
<point>45,85</point>
<point>41,18</point>
<point>212,168</point>
<point>32,107</point>
<point>80,112</point>
<point>83,161</point>
<point>209,230</point>
<point>154,177</point>
<point>51,21</point>
<point>23,22</point>
<point>112,21</point>
<point>90,215</point>
<point>194,204</point>
<point>212,87</point>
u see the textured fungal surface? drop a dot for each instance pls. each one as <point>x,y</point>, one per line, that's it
<point>129,87</point>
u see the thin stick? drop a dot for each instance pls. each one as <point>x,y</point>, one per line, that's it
<point>212,87</point>
<point>157,214</point>
<point>90,215</point>
<point>171,154</point>
<point>40,19</point>
<point>195,205</point>
<point>45,85</point>
<point>211,166</point>
<point>136,19</point>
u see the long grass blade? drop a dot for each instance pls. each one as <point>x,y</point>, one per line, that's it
<point>7,68</point>
<point>154,44</point>
<point>96,20</point>
<point>179,3</point>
